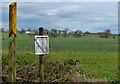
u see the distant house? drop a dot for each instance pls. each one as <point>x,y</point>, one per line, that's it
<point>54,31</point>
<point>46,31</point>
<point>71,32</point>
<point>78,32</point>
<point>27,31</point>
<point>62,31</point>
<point>82,34</point>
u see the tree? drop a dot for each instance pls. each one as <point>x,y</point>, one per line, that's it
<point>53,33</point>
<point>29,29</point>
<point>105,34</point>
<point>108,31</point>
<point>87,32</point>
<point>65,31</point>
<point>78,33</point>
<point>18,30</point>
<point>2,30</point>
<point>22,30</point>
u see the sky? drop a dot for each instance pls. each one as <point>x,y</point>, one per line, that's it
<point>84,16</point>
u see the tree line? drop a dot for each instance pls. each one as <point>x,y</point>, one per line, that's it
<point>65,32</point>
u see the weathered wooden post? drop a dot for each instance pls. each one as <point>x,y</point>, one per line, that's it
<point>41,49</point>
<point>12,43</point>
<point>41,59</point>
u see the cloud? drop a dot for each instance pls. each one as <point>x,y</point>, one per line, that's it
<point>60,0</point>
<point>112,14</point>
<point>75,15</point>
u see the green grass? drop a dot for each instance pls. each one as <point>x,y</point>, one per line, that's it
<point>97,57</point>
<point>69,44</point>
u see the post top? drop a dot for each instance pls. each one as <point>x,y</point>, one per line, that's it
<point>13,4</point>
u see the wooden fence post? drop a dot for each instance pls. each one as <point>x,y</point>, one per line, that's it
<point>12,43</point>
<point>41,60</point>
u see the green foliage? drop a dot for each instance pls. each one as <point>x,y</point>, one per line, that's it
<point>70,58</point>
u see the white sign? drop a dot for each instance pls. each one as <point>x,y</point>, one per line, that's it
<point>41,45</point>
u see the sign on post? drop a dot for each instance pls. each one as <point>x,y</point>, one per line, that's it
<point>41,45</point>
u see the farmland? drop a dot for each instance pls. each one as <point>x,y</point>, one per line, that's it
<point>76,59</point>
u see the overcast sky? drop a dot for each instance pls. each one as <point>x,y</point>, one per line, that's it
<point>85,16</point>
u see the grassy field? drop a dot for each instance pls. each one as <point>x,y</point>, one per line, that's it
<point>77,59</point>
